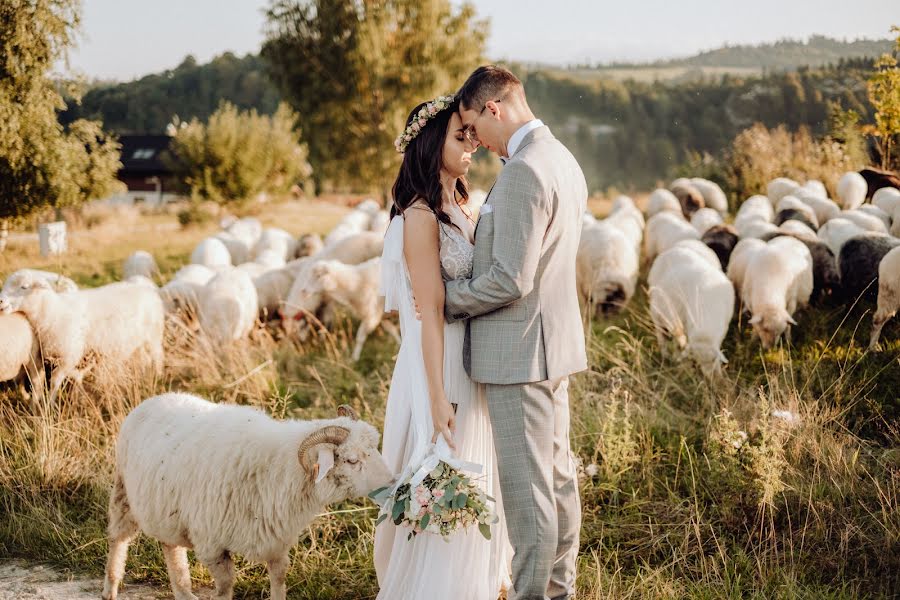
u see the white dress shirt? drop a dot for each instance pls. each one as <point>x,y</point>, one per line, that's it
<point>519,135</point>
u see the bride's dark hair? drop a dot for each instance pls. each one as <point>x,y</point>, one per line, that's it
<point>420,172</point>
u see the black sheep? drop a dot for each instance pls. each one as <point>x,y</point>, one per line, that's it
<point>858,263</point>
<point>877,179</point>
<point>689,197</point>
<point>721,239</point>
<point>797,215</point>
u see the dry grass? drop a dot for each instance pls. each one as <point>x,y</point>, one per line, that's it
<point>673,508</point>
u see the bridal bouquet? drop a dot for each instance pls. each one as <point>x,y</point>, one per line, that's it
<point>434,496</point>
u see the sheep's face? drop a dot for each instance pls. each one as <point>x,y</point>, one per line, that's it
<point>770,324</point>
<point>708,357</point>
<point>17,288</point>
<point>358,467</point>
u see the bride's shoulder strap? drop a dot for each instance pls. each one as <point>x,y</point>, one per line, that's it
<point>420,204</point>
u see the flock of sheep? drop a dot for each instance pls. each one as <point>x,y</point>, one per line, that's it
<point>243,274</point>
<point>782,251</point>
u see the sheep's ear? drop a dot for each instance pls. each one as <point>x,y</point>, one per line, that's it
<point>324,463</point>
<point>755,319</point>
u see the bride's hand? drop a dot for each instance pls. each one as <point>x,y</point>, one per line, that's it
<point>444,418</point>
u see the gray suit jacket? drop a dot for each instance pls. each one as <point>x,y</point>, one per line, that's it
<point>525,324</point>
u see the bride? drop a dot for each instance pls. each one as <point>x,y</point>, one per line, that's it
<point>430,238</point>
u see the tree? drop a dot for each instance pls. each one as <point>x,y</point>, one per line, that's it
<point>239,155</point>
<point>41,163</point>
<point>884,94</point>
<point>354,70</point>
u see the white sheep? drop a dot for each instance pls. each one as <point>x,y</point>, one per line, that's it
<point>197,274</point>
<point>228,306</point>
<point>837,231</point>
<point>309,244</point>
<point>662,200</point>
<point>780,187</point>
<point>692,301</point>
<point>777,282</point>
<point>701,250</point>
<point>824,208</point>
<point>797,228</point>
<point>814,187</point>
<point>755,228</point>
<point>248,230</point>
<point>59,283</point>
<point>740,257</point>
<point>874,211</point>
<point>628,219</point>
<point>865,221</point>
<point>755,208</point>
<point>356,221</point>
<point>792,205</point>
<point>270,259</point>
<point>237,247</point>
<point>140,263</point>
<point>380,222</point>
<point>368,206</point>
<point>705,218</point>
<point>888,294</point>
<point>20,353</point>
<point>852,189</point>
<point>272,288</point>
<point>226,479</point>
<point>113,324</point>
<point>664,230</point>
<point>278,242</point>
<point>606,268</point>
<point>211,252</point>
<point>180,297</point>
<point>713,196</point>
<point>887,199</point>
<point>352,286</point>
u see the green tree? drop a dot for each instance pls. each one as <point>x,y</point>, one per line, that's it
<point>354,71</point>
<point>41,163</point>
<point>884,94</point>
<point>238,155</point>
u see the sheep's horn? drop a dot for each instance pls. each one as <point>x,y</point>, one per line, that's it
<point>345,410</point>
<point>332,434</point>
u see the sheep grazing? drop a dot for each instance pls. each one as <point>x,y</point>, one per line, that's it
<point>740,257</point>
<point>309,245</point>
<point>278,242</point>
<point>58,283</point>
<point>780,187</point>
<point>888,294</point>
<point>237,247</point>
<point>140,263</point>
<point>352,286</point>
<point>112,324</point>
<point>356,221</point>
<point>721,239</point>
<point>228,306</point>
<point>626,217</point>
<point>877,179</point>
<point>755,208</point>
<point>874,211</point>
<point>852,190</point>
<point>836,232</point>
<point>826,277</point>
<point>755,228</point>
<point>798,229</point>
<point>225,479</point>
<point>368,206</point>
<point>777,282</point>
<point>815,188</point>
<point>197,274</point>
<point>791,207</point>
<point>20,354</point>
<point>822,207</point>
<point>887,199</point>
<point>607,266</point>
<point>664,230</point>
<point>691,301</point>
<point>865,221</point>
<point>689,197</point>
<point>705,218</point>
<point>662,200</point>
<point>272,289</point>
<point>248,230</point>
<point>212,253</point>
<point>858,261</point>
<point>713,196</point>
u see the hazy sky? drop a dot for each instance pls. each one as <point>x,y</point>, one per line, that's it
<point>123,39</point>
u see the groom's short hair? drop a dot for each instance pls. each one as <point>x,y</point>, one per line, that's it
<point>487,83</point>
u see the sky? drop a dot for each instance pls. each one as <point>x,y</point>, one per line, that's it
<point>125,39</point>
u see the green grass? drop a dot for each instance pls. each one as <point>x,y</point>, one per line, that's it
<point>671,509</point>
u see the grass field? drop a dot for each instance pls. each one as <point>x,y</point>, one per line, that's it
<point>690,487</point>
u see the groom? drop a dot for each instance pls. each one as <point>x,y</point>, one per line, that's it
<point>525,335</point>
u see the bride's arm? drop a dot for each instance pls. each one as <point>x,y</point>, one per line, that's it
<point>421,248</point>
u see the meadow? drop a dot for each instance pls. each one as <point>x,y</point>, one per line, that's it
<point>778,479</point>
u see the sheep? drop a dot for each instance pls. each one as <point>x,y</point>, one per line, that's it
<point>865,221</point>
<point>272,288</point>
<point>368,206</point>
<point>692,301</point>
<point>721,239</point>
<point>852,190</point>
<point>351,250</point>
<point>664,230</point>
<point>197,274</point>
<point>887,199</point>
<point>661,200</point>
<point>277,242</point>
<point>755,228</point>
<point>777,282</point>
<point>780,187</point>
<point>705,218</point>
<point>270,259</point>
<point>701,250</point>
<point>826,278</point>
<point>713,196</point>
<point>248,230</point>
<point>791,207</point>
<point>380,222</point>
<point>798,229</point>
<point>237,247</point>
<point>354,287</point>
<point>180,297</point>
<point>356,221</point>
<point>607,265</point>
<point>20,353</point>
<point>113,323</point>
<point>59,283</point>
<point>815,188</point>
<point>211,252</point>
<point>628,219</point>
<point>740,256</point>
<point>755,207</point>
<point>888,294</point>
<point>228,306</point>
<point>225,479</point>
<point>877,179</point>
<point>140,263</point>
<point>859,260</point>
<point>874,211</point>
<point>824,208</point>
<point>309,244</point>
<point>837,231</point>
<point>688,196</point>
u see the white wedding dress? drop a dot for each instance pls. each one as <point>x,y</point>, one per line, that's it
<point>467,567</point>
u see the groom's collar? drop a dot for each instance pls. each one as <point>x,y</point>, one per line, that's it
<point>522,137</point>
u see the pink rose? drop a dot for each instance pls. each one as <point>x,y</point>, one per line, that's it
<point>438,494</point>
<point>415,126</point>
<point>431,109</point>
<point>421,122</point>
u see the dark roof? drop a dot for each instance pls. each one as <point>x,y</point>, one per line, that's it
<point>142,154</point>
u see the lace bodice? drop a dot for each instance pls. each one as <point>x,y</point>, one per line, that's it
<point>457,253</point>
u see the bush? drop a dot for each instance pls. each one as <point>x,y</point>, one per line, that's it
<point>193,215</point>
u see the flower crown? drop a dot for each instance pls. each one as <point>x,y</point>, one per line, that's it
<point>426,113</point>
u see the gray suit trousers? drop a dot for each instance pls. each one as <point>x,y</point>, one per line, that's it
<point>539,484</point>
